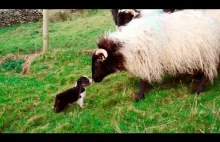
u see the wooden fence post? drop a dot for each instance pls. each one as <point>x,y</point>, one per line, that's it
<point>45,30</point>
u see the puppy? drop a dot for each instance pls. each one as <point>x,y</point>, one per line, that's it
<point>75,94</point>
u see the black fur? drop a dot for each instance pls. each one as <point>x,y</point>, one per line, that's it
<point>124,18</point>
<point>171,10</point>
<point>71,95</point>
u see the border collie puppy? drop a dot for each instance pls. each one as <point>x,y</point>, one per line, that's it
<point>75,94</point>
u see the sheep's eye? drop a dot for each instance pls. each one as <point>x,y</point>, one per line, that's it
<point>98,60</point>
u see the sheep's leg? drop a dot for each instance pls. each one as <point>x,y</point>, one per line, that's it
<point>143,87</point>
<point>201,84</point>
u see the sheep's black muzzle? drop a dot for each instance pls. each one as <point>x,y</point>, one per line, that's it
<point>97,80</point>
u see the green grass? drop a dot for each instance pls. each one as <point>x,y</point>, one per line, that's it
<point>26,101</point>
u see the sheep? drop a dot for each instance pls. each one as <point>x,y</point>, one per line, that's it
<point>178,43</point>
<point>214,13</point>
<point>171,10</point>
<point>123,16</point>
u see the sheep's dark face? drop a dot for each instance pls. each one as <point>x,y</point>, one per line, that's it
<point>124,18</point>
<point>107,59</point>
<point>100,68</point>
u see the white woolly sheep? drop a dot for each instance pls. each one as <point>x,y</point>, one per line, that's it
<point>182,42</point>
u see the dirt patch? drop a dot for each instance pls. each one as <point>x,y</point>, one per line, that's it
<point>28,60</point>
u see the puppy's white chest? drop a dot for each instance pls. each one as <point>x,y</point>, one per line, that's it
<point>80,100</point>
<point>83,94</point>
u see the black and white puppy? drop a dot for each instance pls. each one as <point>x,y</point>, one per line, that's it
<point>75,94</point>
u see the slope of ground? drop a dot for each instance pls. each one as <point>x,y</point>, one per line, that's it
<point>26,101</point>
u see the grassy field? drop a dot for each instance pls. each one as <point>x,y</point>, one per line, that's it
<point>26,101</point>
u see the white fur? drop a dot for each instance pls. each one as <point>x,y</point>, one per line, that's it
<point>213,13</point>
<point>172,43</point>
<point>149,12</point>
<point>80,100</point>
<point>122,10</point>
<point>90,80</point>
<point>75,84</point>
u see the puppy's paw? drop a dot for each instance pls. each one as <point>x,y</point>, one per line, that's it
<point>80,104</point>
<point>85,105</point>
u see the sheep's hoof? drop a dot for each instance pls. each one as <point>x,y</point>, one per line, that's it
<point>198,91</point>
<point>139,98</point>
